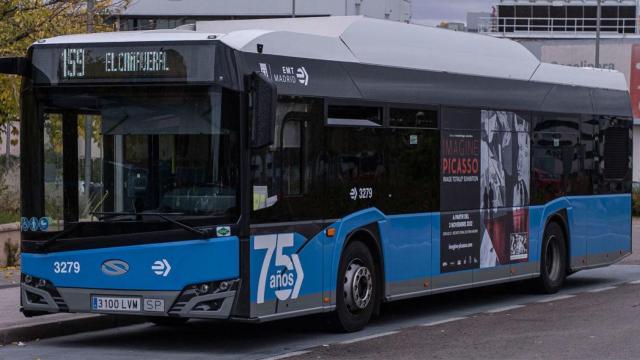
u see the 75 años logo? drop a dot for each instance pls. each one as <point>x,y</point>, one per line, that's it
<point>287,278</point>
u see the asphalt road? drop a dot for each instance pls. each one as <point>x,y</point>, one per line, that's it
<point>600,325</point>
<point>551,329</point>
<point>595,316</point>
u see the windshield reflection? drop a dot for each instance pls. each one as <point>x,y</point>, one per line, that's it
<point>158,150</point>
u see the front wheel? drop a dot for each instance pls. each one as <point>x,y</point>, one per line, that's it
<point>553,260</point>
<point>357,289</point>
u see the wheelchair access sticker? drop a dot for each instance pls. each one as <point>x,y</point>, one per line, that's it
<point>34,224</point>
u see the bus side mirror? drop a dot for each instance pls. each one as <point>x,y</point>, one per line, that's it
<point>264,100</point>
<point>13,66</point>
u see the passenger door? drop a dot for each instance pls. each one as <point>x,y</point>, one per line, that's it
<point>288,205</point>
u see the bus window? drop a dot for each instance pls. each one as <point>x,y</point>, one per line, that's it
<point>288,176</point>
<point>616,146</point>
<point>354,116</point>
<point>90,186</point>
<point>555,166</point>
<point>53,171</point>
<point>413,184</point>
<point>291,152</point>
<point>412,118</point>
<point>357,171</point>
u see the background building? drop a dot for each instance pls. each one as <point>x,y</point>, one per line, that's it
<point>169,14</point>
<point>567,16</point>
<point>165,14</point>
<point>476,19</point>
<point>563,32</point>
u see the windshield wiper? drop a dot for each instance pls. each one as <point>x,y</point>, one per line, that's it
<point>164,216</point>
<point>138,215</point>
<point>57,236</point>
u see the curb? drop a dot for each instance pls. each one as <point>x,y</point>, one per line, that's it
<point>52,329</point>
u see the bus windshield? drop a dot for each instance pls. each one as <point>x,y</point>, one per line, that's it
<point>156,149</point>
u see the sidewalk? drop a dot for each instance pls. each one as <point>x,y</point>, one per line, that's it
<point>9,277</point>
<point>16,327</point>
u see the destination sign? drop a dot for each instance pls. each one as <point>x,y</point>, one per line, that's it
<point>78,64</point>
<point>74,62</point>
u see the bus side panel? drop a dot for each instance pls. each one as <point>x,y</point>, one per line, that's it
<point>291,274</point>
<point>343,228</point>
<point>286,273</point>
<point>406,246</point>
<point>602,223</point>
<point>536,223</point>
<point>539,217</point>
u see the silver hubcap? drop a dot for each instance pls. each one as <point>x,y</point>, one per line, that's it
<point>358,286</point>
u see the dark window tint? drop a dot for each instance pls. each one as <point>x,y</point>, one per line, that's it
<point>575,12</point>
<point>605,155</point>
<point>616,153</point>
<point>412,118</point>
<point>627,12</point>
<point>523,11</point>
<point>413,181</point>
<point>354,116</point>
<point>506,10</point>
<point>356,170</point>
<point>541,11</point>
<point>558,11</point>
<point>457,118</point>
<point>558,123</point>
<point>610,12</point>
<point>288,176</point>
<point>556,167</point>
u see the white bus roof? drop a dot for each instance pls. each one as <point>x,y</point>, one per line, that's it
<point>377,42</point>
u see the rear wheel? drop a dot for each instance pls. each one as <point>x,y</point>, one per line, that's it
<point>357,289</point>
<point>553,262</point>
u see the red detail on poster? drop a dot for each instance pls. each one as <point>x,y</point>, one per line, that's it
<point>460,156</point>
<point>635,80</point>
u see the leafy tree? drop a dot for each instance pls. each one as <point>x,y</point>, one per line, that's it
<point>22,22</point>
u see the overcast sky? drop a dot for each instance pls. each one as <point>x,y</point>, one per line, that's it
<point>433,11</point>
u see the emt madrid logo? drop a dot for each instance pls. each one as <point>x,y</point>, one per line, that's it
<point>286,74</point>
<point>286,278</point>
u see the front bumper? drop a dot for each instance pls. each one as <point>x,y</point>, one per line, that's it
<point>196,278</point>
<point>216,303</point>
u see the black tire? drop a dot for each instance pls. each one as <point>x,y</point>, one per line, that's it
<point>168,321</point>
<point>553,263</point>
<point>357,291</point>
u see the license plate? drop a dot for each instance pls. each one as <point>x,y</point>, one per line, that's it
<point>106,303</point>
<point>154,305</point>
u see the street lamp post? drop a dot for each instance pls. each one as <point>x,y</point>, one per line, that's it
<point>293,8</point>
<point>598,33</point>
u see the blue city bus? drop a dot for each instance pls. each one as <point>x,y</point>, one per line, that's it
<point>263,169</point>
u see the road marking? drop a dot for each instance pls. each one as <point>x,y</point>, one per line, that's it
<point>288,355</point>
<point>555,298</point>
<point>601,289</point>
<point>434,323</point>
<point>504,308</point>
<point>364,338</point>
<point>637,282</point>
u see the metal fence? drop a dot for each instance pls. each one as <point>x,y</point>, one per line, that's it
<point>511,25</point>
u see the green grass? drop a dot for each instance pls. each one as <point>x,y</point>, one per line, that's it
<point>6,218</point>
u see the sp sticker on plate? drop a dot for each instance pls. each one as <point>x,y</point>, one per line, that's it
<point>154,305</point>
